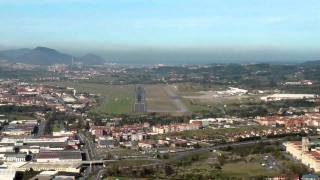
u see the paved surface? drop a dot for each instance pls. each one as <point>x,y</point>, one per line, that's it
<point>178,105</point>
<point>140,102</point>
<point>176,100</point>
<point>42,127</point>
<point>89,146</point>
<point>90,150</point>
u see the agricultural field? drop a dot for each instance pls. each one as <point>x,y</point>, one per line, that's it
<point>116,99</point>
<point>163,99</point>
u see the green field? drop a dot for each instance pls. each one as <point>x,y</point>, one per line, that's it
<point>197,104</point>
<point>57,127</point>
<point>116,99</point>
<point>17,116</point>
<point>119,99</point>
<point>191,88</point>
<point>244,169</point>
<point>122,152</point>
<point>235,167</point>
<point>133,162</point>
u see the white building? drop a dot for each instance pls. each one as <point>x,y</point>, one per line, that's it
<point>7,174</point>
<point>4,149</point>
<point>15,157</point>
<point>63,133</point>
<point>279,97</point>
<point>308,158</point>
<point>59,156</point>
<point>33,140</point>
<point>174,128</point>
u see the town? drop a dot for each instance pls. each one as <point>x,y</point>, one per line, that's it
<point>62,130</point>
<point>159,90</point>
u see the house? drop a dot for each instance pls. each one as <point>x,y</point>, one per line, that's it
<point>175,128</point>
<point>310,177</point>
<point>64,177</point>
<point>106,143</point>
<point>7,174</point>
<point>147,144</point>
<point>279,97</point>
<point>12,157</point>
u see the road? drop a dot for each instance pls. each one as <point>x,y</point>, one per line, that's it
<point>90,150</point>
<point>89,146</point>
<point>42,127</point>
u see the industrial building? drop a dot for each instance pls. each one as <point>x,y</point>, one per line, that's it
<point>279,97</point>
<point>59,156</point>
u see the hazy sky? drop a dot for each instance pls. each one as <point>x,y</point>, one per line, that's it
<point>287,28</point>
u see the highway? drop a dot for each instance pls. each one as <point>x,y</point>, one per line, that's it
<point>89,146</point>
<point>90,150</point>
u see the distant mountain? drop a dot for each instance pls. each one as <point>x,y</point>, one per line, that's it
<point>91,59</point>
<point>44,56</point>
<point>47,56</point>
<point>14,53</point>
<point>311,63</point>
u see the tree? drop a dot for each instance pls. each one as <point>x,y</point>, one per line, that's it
<point>16,149</point>
<point>168,170</point>
<point>222,158</point>
<point>28,157</point>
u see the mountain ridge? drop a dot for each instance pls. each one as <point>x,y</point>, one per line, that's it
<point>47,56</point>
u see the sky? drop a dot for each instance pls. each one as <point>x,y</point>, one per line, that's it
<point>165,30</point>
